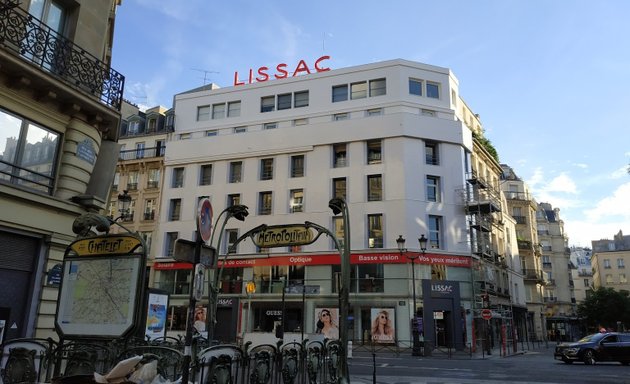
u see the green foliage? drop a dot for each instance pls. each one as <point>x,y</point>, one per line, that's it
<point>604,307</point>
<point>487,144</point>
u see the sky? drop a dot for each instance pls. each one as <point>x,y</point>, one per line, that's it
<point>549,79</point>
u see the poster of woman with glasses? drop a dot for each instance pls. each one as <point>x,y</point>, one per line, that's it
<point>383,325</point>
<point>327,320</point>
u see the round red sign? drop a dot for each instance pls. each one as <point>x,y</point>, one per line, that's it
<point>204,219</point>
<point>486,314</point>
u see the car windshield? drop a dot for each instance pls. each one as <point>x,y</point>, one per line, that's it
<point>593,337</point>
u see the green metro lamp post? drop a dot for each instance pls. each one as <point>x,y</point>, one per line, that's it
<point>339,206</point>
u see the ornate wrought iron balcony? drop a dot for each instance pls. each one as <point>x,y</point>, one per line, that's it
<point>37,43</point>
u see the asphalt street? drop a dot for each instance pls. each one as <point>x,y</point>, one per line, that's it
<point>535,365</point>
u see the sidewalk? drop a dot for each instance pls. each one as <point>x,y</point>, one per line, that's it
<point>445,353</point>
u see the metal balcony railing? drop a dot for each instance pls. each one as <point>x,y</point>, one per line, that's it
<point>135,154</point>
<point>37,43</point>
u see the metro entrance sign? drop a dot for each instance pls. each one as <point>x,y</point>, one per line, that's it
<point>486,314</point>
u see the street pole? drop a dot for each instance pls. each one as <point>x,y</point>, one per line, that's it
<point>190,320</point>
<point>339,205</point>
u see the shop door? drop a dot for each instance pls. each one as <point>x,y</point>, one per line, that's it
<point>17,259</point>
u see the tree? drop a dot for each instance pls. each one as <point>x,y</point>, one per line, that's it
<point>605,307</point>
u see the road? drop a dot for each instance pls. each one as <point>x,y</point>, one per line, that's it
<point>534,366</point>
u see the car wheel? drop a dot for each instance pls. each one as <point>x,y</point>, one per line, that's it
<point>588,357</point>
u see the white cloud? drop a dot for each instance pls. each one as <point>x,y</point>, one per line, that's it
<point>616,206</point>
<point>620,172</point>
<point>581,165</point>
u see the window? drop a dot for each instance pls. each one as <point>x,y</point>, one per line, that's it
<point>375,187</point>
<point>433,188</point>
<point>267,103</point>
<point>231,236</point>
<point>302,121</point>
<point>28,158</point>
<point>340,116</point>
<point>169,243</point>
<point>205,174</point>
<point>375,231</point>
<point>377,87</point>
<point>284,101</point>
<point>427,112</point>
<point>236,169</point>
<point>607,263</point>
<point>373,151</point>
<point>338,229</point>
<point>153,178</point>
<point>435,227</point>
<point>174,211</point>
<point>433,90</point>
<point>300,99</point>
<point>212,132</point>
<point>340,93</point>
<point>234,199</point>
<point>266,169</point>
<point>116,181</point>
<point>218,111</point>
<point>184,136</point>
<point>620,263</point>
<point>178,177</point>
<point>431,152</point>
<point>622,278</point>
<point>297,166</point>
<point>149,209</point>
<point>296,203</point>
<point>132,181</point>
<point>139,150</point>
<point>240,129</point>
<point>265,200</point>
<point>415,87</point>
<point>148,238</point>
<point>270,126</point>
<point>234,109</point>
<point>358,90</point>
<point>374,112</point>
<point>339,187</point>
<point>587,283</point>
<point>609,279</point>
<point>203,113</point>
<point>339,155</point>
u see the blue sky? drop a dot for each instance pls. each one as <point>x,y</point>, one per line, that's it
<point>550,79</point>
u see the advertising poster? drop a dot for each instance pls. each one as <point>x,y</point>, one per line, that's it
<point>200,320</point>
<point>327,322</point>
<point>156,315</point>
<point>383,322</point>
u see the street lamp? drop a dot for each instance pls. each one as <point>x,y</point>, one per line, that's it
<point>338,205</point>
<point>239,212</point>
<point>124,201</point>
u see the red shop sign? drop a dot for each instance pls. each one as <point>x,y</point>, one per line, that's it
<point>281,71</point>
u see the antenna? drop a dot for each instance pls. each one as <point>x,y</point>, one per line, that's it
<point>205,73</point>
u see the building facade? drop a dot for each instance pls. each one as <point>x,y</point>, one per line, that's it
<point>560,304</point>
<point>140,169</point>
<point>395,141</point>
<point>609,261</point>
<point>59,116</point>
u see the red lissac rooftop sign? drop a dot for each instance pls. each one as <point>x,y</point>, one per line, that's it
<point>281,71</point>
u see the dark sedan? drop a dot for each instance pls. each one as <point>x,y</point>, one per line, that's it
<point>590,349</point>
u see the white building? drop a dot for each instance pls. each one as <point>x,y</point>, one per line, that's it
<point>389,137</point>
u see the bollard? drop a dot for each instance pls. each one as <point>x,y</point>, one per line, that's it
<point>349,349</point>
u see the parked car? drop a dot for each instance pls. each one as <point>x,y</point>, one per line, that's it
<point>611,346</point>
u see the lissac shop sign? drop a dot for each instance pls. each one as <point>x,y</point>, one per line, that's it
<point>282,71</point>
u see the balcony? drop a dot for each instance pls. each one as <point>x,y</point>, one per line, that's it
<point>524,244</point>
<point>135,154</point>
<point>25,38</point>
<point>533,274</point>
<point>149,215</point>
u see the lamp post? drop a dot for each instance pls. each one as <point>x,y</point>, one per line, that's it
<point>338,205</point>
<point>239,212</point>
<point>124,201</point>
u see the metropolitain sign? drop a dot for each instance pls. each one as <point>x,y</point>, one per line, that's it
<point>281,71</point>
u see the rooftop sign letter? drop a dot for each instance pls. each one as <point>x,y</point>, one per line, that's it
<point>281,71</point>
